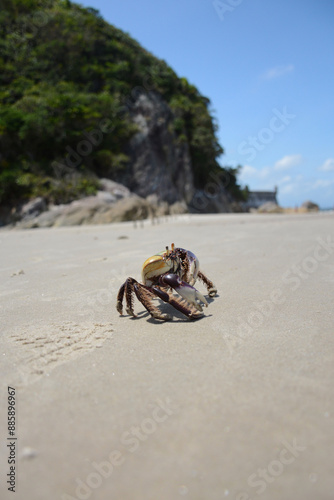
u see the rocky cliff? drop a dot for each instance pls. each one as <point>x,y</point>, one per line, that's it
<point>158,162</point>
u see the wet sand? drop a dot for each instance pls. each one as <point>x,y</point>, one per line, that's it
<point>236,405</point>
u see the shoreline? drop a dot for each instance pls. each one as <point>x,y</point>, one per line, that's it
<point>184,218</point>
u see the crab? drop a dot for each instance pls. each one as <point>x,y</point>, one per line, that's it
<point>175,269</point>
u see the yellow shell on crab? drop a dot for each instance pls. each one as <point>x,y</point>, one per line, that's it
<point>154,266</point>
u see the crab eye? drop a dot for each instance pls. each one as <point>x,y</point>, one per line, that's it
<point>167,251</point>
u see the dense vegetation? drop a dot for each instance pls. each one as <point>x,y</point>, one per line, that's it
<point>64,73</point>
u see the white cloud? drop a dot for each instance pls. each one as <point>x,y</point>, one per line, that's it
<point>327,166</point>
<point>278,71</point>
<point>288,188</point>
<point>322,183</point>
<point>247,170</point>
<point>251,173</point>
<point>287,162</point>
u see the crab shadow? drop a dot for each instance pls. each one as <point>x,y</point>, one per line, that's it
<point>176,316</point>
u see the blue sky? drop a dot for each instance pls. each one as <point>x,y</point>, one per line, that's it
<point>268,68</point>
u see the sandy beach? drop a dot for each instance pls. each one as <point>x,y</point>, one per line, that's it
<point>236,405</point>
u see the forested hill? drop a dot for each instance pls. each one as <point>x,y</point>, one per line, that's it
<point>72,100</point>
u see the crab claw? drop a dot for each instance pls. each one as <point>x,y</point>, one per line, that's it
<point>188,292</point>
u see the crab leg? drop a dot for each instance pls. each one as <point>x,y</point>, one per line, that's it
<point>120,296</point>
<point>145,295</point>
<point>188,292</point>
<point>128,289</point>
<point>212,290</point>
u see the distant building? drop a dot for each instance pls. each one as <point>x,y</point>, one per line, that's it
<point>258,198</point>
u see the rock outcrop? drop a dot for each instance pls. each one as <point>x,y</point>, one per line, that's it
<point>268,208</point>
<point>159,163</point>
<point>310,206</point>
<point>115,204</point>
